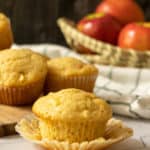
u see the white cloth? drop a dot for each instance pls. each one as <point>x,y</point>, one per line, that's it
<point>126,89</point>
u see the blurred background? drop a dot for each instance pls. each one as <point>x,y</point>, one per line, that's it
<point>34,21</point>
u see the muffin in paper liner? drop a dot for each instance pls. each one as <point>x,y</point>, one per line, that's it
<point>22,76</point>
<point>69,72</point>
<point>115,132</point>
<point>55,83</point>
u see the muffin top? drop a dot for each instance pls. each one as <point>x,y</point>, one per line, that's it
<point>21,67</point>
<point>72,104</point>
<point>68,66</point>
<point>6,36</point>
<point>3,20</point>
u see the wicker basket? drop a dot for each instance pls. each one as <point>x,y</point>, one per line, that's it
<point>105,53</point>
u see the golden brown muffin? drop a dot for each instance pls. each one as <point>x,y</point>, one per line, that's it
<point>68,72</point>
<point>72,115</point>
<point>6,36</point>
<point>22,75</point>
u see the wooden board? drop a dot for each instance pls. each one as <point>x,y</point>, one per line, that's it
<point>9,116</point>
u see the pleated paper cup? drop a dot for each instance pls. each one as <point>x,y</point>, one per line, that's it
<point>115,132</point>
<point>56,83</point>
<point>21,95</point>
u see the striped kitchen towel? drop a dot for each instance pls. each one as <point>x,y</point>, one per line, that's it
<point>126,89</point>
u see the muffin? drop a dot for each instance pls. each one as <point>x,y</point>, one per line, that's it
<point>71,115</point>
<point>6,36</point>
<point>67,72</point>
<point>22,76</point>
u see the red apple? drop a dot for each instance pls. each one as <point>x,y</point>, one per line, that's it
<point>136,36</point>
<point>101,27</point>
<point>126,11</point>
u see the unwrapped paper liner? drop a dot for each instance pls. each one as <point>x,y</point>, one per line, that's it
<point>115,132</point>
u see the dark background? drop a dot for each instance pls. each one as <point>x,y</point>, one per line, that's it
<point>34,21</point>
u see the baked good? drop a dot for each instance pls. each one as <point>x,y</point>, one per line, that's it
<point>22,76</point>
<point>72,115</point>
<point>6,36</point>
<point>68,72</point>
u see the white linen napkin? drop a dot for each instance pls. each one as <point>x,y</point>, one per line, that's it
<point>126,89</point>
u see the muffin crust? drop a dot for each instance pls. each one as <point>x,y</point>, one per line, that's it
<point>68,66</point>
<point>72,104</point>
<point>21,67</point>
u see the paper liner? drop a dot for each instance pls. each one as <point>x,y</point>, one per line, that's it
<point>80,82</point>
<point>21,95</point>
<point>115,132</point>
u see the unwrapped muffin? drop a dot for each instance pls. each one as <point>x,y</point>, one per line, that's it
<point>22,76</point>
<point>72,115</point>
<point>6,36</point>
<point>68,72</point>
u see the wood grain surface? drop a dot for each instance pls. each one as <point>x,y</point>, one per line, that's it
<point>9,116</point>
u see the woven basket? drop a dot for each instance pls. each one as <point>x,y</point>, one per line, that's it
<point>105,53</point>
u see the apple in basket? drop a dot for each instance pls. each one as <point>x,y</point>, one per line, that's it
<point>136,36</point>
<point>100,26</point>
<point>126,11</point>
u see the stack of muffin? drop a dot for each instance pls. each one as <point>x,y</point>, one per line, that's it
<point>25,75</point>
<point>69,112</point>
